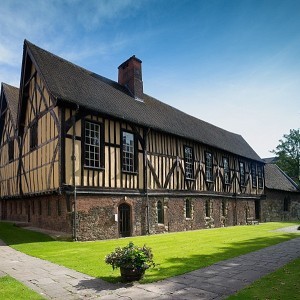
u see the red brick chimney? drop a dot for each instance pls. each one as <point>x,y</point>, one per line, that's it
<point>130,75</point>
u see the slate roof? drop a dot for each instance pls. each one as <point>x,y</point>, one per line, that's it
<point>276,179</point>
<point>12,97</point>
<point>270,160</point>
<point>69,82</point>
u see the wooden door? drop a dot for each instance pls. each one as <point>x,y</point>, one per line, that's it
<point>124,220</point>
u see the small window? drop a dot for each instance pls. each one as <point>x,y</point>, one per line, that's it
<point>242,173</point>
<point>49,207</point>
<point>40,207</point>
<point>253,175</point>
<point>34,134</point>
<point>189,162</point>
<point>226,170</point>
<point>32,207</point>
<point>11,148</point>
<point>188,209</point>
<point>208,166</point>
<point>286,204</point>
<point>58,204</point>
<point>224,208</point>
<point>207,208</point>
<point>260,177</point>
<point>160,212</point>
<point>128,152</point>
<point>92,145</point>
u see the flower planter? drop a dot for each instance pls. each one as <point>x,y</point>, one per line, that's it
<point>129,274</point>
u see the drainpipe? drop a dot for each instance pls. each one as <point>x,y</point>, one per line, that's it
<point>146,182</point>
<point>74,229</point>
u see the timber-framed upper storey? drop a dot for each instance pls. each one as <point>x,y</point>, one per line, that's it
<point>76,128</point>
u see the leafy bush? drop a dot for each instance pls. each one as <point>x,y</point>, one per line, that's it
<point>132,257</point>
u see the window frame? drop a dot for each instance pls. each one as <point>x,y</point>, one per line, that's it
<point>11,149</point>
<point>189,163</point>
<point>33,135</point>
<point>100,161</point>
<point>254,175</point>
<point>208,208</point>
<point>160,212</point>
<point>224,208</point>
<point>134,154</point>
<point>226,170</point>
<point>286,204</point>
<point>209,169</point>
<point>242,175</point>
<point>188,209</point>
<point>260,177</point>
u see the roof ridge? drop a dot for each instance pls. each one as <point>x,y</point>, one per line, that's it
<point>288,177</point>
<point>85,70</point>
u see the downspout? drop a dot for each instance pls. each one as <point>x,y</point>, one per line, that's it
<point>73,158</point>
<point>146,181</point>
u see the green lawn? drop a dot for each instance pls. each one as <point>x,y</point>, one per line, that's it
<point>282,284</point>
<point>175,253</point>
<point>11,289</point>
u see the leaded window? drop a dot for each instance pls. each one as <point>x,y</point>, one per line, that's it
<point>208,166</point>
<point>160,212</point>
<point>260,177</point>
<point>253,175</point>
<point>128,153</point>
<point>226,170</point>
<point>34,134</point>
<point>189,162</point>
<point>242,173</point>
<point>11,150</point>
<point>92,145</point>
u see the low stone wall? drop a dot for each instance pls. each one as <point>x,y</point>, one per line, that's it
<point>274,208</point>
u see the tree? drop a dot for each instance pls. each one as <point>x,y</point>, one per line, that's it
<point>288,154</point>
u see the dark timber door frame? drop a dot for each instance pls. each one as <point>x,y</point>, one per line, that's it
<point>124,213</point>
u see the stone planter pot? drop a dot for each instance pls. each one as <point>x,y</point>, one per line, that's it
<point>129,274</point>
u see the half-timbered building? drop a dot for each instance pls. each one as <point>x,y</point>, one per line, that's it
<point>9,149</point>
<point>102,159</point>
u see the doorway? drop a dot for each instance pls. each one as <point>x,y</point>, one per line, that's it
<point>124,220</point>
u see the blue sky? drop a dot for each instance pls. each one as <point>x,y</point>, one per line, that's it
<point>234,64</point>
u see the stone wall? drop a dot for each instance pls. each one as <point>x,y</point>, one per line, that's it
<point>219,213</point>
<point>97,215</point>
<point>48,212</point>
<point>273,206</point>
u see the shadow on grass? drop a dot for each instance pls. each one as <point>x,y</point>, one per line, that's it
<point>14,235</point>
<point>211,284</point>
<point>182,265</point>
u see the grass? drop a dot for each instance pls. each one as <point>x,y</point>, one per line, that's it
<point>175,253</point>
<point>11,289</point>
<point>282,284</point>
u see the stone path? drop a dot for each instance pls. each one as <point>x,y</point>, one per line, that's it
<point>215,282</point>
